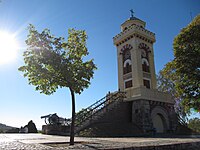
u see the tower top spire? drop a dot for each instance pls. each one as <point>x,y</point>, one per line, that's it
<point>132,13</point>
<point>132,20</point>
<point>132,17</point>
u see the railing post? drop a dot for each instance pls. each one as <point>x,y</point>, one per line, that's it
<point>98,106</point>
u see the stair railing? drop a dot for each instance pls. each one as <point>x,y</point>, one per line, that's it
<point>93,109</point>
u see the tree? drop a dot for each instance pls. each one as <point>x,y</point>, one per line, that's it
<point>186,65</point>
<point>166,80</point>
<point>52,63</point>
<point>194,124</point>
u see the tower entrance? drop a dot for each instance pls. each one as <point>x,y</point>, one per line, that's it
<point>160,119</point>
<point>158,123</point>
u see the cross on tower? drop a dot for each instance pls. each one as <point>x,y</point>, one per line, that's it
<point>132,12</point>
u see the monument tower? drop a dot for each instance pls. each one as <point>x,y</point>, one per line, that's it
<point>135,56</point>
<point>138,108</point>
<point>136,77</point>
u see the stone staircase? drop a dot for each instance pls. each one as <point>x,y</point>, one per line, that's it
<point>93,113</point>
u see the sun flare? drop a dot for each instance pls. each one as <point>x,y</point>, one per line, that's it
<point>8,47</point>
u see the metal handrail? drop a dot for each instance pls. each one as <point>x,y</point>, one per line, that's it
<point>98,106</point>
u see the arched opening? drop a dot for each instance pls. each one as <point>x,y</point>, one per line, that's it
<point>127,66</point>
<point>160,119</point>
<point>159,123</point>
<point>145,65</point>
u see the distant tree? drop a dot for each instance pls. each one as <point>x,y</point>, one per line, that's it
<point>52,63</point>
<point>194,124</point>
<point>166,80</point>
<point>186,65</point>
<point>1,131</point>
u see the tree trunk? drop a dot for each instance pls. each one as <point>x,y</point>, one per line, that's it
<point>73,118</point>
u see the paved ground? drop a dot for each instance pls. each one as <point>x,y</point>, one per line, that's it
<point>48,142</point>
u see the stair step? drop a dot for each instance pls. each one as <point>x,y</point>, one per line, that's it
<point>100,108</point>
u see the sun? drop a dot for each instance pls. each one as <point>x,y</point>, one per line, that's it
<point>8,47</point>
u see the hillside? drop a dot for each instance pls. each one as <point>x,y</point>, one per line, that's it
<point>4,128</point>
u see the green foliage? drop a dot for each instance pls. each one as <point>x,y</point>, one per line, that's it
<point>184,70</point>
<point>194,124</point>
<point>51,62</point>
<point>166,81</point>
<point>187,62</point>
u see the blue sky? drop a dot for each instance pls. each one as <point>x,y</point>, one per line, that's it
<point>101,19</point>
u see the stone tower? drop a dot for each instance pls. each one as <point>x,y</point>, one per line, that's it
<point>136,76</point>
<point>135,56</point>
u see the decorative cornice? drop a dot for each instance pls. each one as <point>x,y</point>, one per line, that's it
<point>134,28</point>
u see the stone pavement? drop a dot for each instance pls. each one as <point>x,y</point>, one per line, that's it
<point>48,142</point>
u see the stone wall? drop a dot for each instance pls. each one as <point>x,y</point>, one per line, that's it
<point>144,111</point>
<point>132,118</point>
<point>169,109</point>
<point>141,115</point>
<point>115,122</point>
